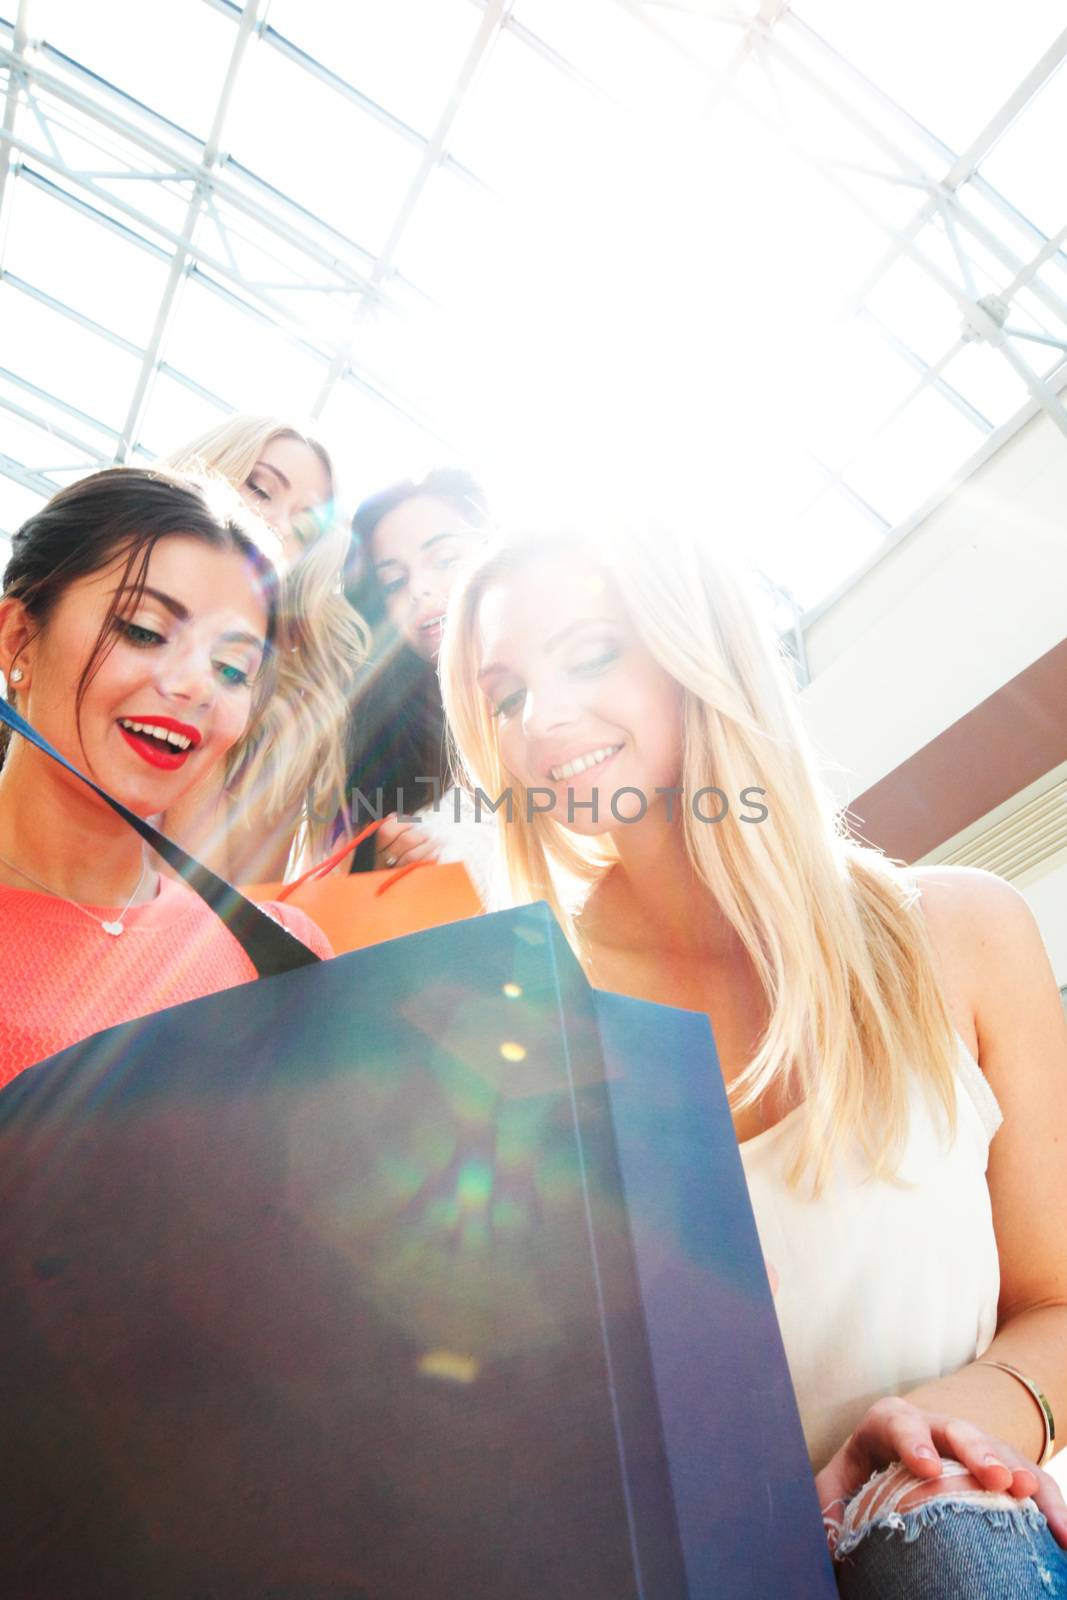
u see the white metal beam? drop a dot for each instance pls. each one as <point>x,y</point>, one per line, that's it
<point>182,259</point>
<point>942,194</point>
<point>244,197</point>
<point>15,82</point>
<point>493,19</point>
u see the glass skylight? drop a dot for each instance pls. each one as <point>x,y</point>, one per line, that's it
<point>796,266</point>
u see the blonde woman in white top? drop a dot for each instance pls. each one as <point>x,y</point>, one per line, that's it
<point>285,787</point>
<point>872,1025</point>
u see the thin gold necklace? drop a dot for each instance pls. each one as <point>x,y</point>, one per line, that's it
<point>114,926</point>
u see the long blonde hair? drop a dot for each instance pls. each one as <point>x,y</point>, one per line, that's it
<point>832,927</point>
<point>295,758</point>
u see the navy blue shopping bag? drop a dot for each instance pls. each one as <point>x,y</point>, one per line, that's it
<point>427,1273</point>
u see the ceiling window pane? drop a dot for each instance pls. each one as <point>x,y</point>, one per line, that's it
<point>404,54</point>
<point>454,241</point>
<point>83,263</point>
<point>39,451</point>
<point>712,38</point>
<point>175,414</point>
<point>48,415</point>
<point>909,147</point>
<point>826,235</point>
<point>613,49</point>
<point>307,139</point>
<point>1027,161</point>
<point>316,297</point>
<point>826,548</point>
<point>771,501</point>
<point>65,359</point>
<point>375,443</point>
<point>983,376</point>
<point>819,122</point>
<point>933,60</point>
<point>914,455</point>
<point>503,135</point>
<point>239,357</point>
<point>849,391</point>
<point>917,310</point>
<point>413,354</point>
<point>174,64</point>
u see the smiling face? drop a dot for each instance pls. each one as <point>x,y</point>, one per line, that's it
<point>581,703</point>
<point>417,550</point>
<point>172,692</point>
<point>288,485</point>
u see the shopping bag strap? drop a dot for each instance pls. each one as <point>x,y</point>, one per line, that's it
<point>271,948</point>
<point>322,869</point>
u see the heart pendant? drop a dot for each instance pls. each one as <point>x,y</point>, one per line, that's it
<point>114,928</point>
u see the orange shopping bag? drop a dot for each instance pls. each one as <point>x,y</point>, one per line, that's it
<point>363,908</point>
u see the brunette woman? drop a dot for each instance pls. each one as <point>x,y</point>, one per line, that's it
<point>137,626</point>
<point>410,542</point>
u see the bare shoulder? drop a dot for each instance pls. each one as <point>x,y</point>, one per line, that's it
<point>985,930</point>
<point>970,910</point>
<point>989,945</point>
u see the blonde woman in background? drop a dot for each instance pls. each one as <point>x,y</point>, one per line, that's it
<point>875,1028</point>
<point>286,785</point>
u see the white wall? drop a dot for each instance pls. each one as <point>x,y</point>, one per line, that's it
<point>1047,893</point>
<point>969,598</point>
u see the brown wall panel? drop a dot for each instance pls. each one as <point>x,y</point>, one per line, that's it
<point>1008,741</point>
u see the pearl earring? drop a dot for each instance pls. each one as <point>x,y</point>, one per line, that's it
<point>16,675</point>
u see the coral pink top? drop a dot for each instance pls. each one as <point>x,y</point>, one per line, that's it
<point>62,977</point>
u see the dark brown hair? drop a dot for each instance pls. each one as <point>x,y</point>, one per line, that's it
<point>397,729</point>
<point>121,514</point>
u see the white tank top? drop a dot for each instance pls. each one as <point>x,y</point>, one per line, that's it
<point>881,1286</point>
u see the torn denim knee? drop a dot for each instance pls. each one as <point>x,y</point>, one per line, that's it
<point>877,1507</point>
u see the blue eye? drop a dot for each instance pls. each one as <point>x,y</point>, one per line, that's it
<point>511,702</point>
<point>135,634</point>
<point>233,677</point>
<point>393,585</point>
<point>595,663</point>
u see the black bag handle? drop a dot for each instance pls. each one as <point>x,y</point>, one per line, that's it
<point>271,948</point>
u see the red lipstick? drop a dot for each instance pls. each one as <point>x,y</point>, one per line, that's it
<point>148,736</point>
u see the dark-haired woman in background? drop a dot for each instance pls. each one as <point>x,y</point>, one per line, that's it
<point>411,539</point>
<point>136,623</point>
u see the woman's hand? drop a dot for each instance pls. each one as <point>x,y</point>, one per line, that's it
<point>399,844</point>
<point>895,1430</point>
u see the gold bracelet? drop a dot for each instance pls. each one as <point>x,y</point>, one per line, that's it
<point>1042,1404</point>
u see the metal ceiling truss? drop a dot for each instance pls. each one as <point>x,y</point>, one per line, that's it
<point>218,190</point>
<point>983,318</point>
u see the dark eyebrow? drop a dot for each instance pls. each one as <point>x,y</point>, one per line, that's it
<point>175,607</point>
<point>177,610</point>
<point>265,466</point>
<point>556,639</point>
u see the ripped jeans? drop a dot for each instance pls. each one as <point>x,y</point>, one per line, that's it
<point>967,1545</point>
